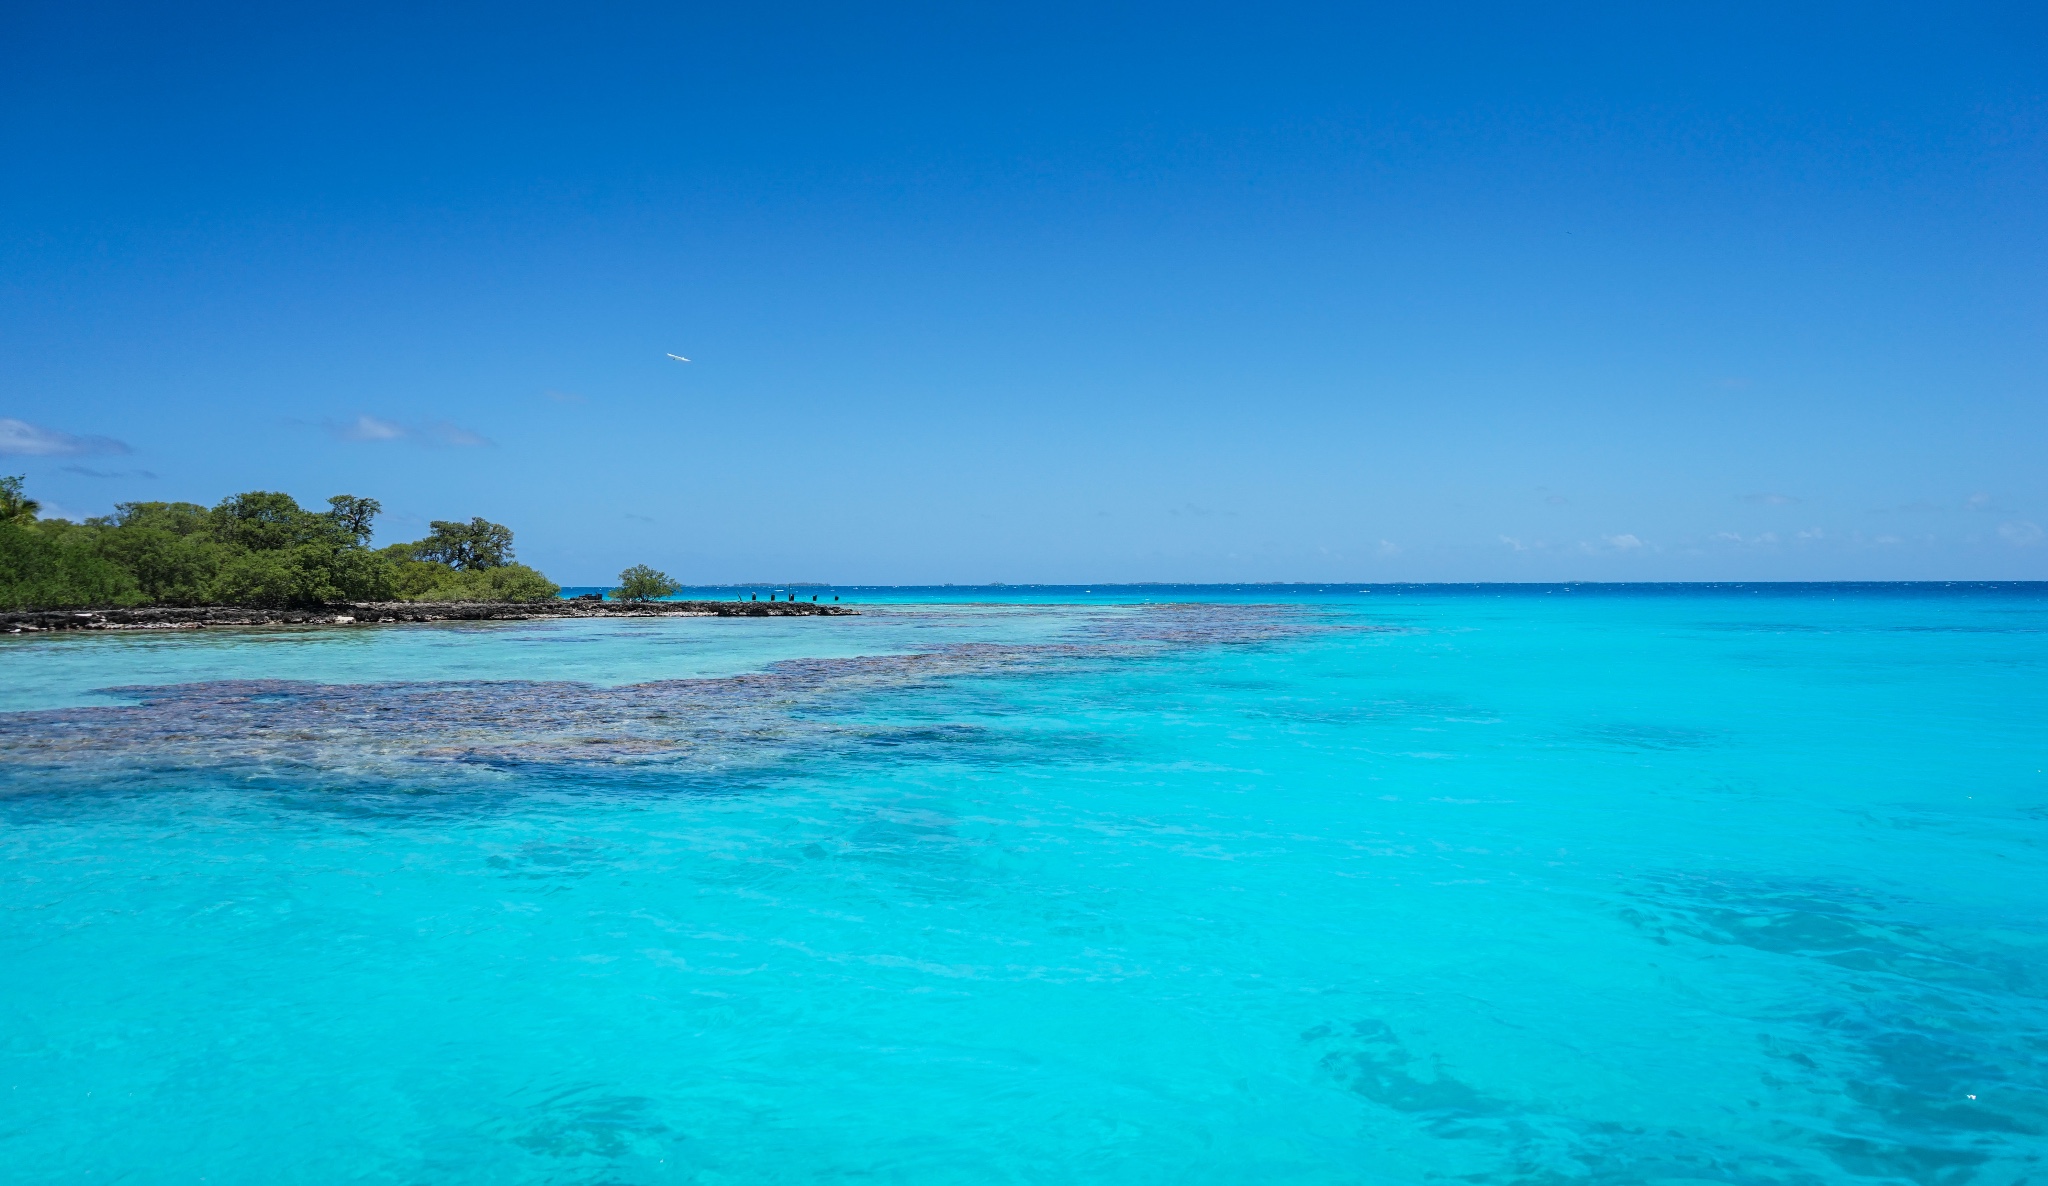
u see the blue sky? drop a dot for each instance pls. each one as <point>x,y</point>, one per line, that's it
<point>1050,293</point>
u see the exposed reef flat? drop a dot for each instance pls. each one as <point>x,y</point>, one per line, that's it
<point>376,612</point>
<point>469,733</point>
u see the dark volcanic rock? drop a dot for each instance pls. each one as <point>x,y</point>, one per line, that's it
<point>375,612</point>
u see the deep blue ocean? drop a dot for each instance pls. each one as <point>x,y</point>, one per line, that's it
<point>1345,884</point>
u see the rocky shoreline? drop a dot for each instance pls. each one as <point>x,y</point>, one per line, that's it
<point>372,613</point>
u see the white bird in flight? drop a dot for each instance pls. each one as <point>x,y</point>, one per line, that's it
<point>678,358</point>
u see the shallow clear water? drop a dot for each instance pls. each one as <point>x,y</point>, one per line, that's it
<point>1574,885</point>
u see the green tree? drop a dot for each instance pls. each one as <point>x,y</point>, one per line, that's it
<point>465,562</point>
<point>273,579</point>
<point>178,518</point>
<point>412,579</point>
<point>167,546</point>
<point>641,583</point>
<point>262,521</point>
<point>279,555</point>
<point>507,582</point>
<point>257,548</point>
<point>353,516</point>
<point>15,505</point>
<point>57,565</point>
<point>472,546</point>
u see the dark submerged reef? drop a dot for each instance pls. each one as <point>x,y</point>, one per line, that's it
<point>390,733</point>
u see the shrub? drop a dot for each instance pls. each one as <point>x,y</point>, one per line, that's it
<point>641,583</point>
<point>57,565</point>
<point>278,579</point>
<point>506,582</point>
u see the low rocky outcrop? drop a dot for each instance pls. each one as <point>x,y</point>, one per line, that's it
<point>378,612</point>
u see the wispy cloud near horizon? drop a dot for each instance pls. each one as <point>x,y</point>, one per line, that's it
<point>19,438</point>
<point>2020,533</point>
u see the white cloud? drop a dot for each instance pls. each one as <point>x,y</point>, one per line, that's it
<point>1765,498</point>
<point>1514,543</point>
<point>19,438</point>
<point>1622,543</point>
<point>2020,533</point>
<point>1389,548</point>
<point>373,430</point>
<point>444,433</point>
<point>369,428</point>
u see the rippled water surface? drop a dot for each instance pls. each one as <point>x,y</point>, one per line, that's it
<point>1741,885</point>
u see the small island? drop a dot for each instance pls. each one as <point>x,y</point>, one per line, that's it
<point>260,559</point>
<point>370,613</point>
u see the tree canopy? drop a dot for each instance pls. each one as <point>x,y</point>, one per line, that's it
<point>473,546</point>
<point>258,548</point>
<point>354,515</point>
<point>15,505</point>
<point>641,583</point>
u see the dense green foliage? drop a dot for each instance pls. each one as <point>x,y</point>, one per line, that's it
<point>641,583</point>
<point>473,546</point>
<point>255,549</point>
<point>465,562</point>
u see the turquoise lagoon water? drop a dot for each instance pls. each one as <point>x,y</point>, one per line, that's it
<point>1569,885</point>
